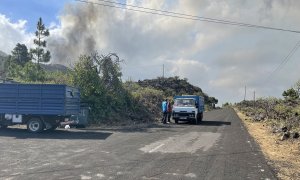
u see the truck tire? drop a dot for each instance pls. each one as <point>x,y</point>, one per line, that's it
<point>35,125</point>
<point>176,121</point>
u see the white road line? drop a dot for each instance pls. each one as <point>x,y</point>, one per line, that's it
<point>156,148</point>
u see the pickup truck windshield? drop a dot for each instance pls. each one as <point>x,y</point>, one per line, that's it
<point>184,102</point>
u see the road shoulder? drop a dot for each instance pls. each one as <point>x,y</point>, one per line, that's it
<point>283,156</point>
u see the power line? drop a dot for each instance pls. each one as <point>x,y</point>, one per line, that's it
<point>198,17</point>
<point>284,61</point>
<point>181,15</point>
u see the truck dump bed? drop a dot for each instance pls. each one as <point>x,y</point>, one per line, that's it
<point>39,99</point>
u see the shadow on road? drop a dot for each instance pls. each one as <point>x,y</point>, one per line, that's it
<point>146,128</point>
<point>214,123</point>
<point>57,134</point>
<point>204,123</point>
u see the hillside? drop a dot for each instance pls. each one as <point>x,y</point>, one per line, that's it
<point>148,94</point>
<point>54,67</point>
<point>175,86</point>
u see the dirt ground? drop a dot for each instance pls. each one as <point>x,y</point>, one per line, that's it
<point>282,155</point>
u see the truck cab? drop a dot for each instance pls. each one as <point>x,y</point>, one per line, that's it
<point>188,108</point>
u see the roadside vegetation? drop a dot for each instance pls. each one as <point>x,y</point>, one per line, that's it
<point>281,115</point>
<point>275,125</point>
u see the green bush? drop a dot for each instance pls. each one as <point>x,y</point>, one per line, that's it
<point>283,111</point>
<point>149,98</point>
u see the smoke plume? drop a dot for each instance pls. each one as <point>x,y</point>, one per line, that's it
<point>78,33</point>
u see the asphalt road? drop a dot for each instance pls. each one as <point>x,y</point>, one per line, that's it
<point>219,148</point>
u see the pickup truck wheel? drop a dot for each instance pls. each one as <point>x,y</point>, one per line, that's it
<point>35,125</point>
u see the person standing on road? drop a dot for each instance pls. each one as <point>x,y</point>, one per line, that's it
<point>164,107</point>
<point>169,110</point>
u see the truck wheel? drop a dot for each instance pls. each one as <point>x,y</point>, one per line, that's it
<point>176,121</point>
<point>35,125</point>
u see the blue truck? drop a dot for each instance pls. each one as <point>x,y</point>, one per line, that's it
<point>188,108</point>
<point>39,106</point>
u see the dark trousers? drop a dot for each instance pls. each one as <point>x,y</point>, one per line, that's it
<point>169,116</point>
<point>164,119</point>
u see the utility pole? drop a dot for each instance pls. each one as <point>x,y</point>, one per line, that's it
<point>163,71</point>
<point>254,99</point>
<point>245,93</point>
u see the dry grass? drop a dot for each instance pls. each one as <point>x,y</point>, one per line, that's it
<point>283,155</point>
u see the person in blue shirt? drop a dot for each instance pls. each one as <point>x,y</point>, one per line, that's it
<point>164,107</point>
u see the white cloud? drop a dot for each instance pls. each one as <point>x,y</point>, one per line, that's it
<point>12,33</point>
<point>187,68</point>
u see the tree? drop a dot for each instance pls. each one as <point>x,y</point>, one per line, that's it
<point>297,86</point>
<point>85,76</point>
<point>109,70</point>
<point>3,62</point>
<point>14,70</point>
<point>38,54</point>
<point>213,101</point>
<point>20,54</point>
<point>16,61</point>
<point>226,104</point>
<point>99,80</point>
<point>31,72</point>
<point>290,94</point>
<point>19,66</point>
